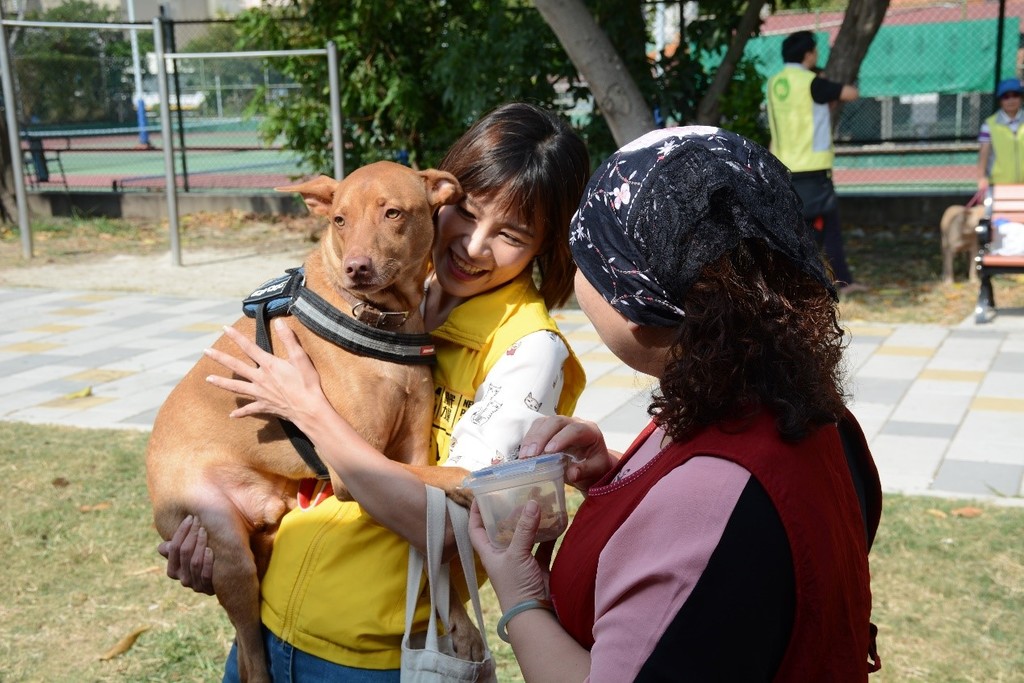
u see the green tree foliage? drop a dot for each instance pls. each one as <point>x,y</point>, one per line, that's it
<point>74,75</point>
<point>687,74</point>
<point>742,109</point>
<point>414,73</point>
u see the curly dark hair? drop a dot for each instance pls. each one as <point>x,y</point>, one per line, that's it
<point>758,333</point>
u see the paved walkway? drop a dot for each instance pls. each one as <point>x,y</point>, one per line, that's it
<point>943,407</point>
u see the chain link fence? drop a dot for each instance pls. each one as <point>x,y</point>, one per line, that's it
<point>926,86</point>
<point>95,126</point>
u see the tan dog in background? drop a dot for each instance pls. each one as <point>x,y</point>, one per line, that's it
<point>238,477</point>
<point>956,230</point>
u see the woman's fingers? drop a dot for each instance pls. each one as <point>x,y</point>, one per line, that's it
<point>231,363</point>
<point>559,434</point>
<point>244,387</point>
<point>248,346</point>
<point>526,529</point>
<point>537,439</point>
<point>172,549</point>
<point>202,565</point>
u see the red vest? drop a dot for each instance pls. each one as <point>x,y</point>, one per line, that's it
<point>810,485</point>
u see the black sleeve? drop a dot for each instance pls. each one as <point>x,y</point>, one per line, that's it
<point>746,595</point>
<point>824,91</point>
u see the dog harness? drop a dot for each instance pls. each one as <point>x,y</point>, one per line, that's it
<point>366,332</point>
<point>362,335</point>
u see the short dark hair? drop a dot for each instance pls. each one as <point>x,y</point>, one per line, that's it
<point>796,46</point>
<point>532,163</point>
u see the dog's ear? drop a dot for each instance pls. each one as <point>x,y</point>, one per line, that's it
<point>442,188</point>
<point>317,193</point>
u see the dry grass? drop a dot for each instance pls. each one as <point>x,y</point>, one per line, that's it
<point>66,240</point>
<point>903,266</point>
<point>82,572</point>
<point>948,592</point>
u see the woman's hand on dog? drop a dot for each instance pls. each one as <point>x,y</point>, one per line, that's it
<point>189,559</point>
<point>286,387</point>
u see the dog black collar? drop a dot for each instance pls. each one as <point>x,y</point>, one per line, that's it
<point>326,321</point>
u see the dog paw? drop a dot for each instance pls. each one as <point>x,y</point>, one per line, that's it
<point>466,640</point>
<point>461,495</point>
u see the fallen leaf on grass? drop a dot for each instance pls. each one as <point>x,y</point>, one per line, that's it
<point>81,393</point>
<point>124,644</point>
<point>967,512</point>
<point>95,508</point>
<point>936,513</point>
<point>155,569</point>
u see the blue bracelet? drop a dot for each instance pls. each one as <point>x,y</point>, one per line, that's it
<point>521,607</point>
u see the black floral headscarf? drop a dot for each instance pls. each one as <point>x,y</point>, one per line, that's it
<point>672,201</point>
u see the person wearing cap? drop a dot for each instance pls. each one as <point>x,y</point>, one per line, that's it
<point>730,541</point>
<point>800,119</point>
<point>1001,154</point>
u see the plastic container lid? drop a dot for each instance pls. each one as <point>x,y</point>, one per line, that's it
<point>516,473</point>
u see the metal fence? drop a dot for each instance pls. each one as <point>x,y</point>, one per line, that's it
<point>123,158</point>
<point>100,128</point>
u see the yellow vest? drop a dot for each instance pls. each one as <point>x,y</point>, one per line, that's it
<point>1007,152</point>
<point>335,587</point>
<point>801,129</point>
<point>475,336</point>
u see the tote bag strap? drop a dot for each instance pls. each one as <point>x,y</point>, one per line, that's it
<point>437,574</point>
<point>460,524</point>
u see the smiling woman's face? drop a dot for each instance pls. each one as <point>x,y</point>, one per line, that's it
<point>479,248</point>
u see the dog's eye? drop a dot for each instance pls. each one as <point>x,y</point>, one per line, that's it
<point>392,213</point>
<point>339,221</point>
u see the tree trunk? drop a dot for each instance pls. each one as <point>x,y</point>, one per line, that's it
<point>709,110</point>
<point>617,96</point>
<point>6,174</point>
<point>860,24</point>
<point>7,198</point>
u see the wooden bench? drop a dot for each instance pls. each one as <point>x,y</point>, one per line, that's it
<point>1001,201</point>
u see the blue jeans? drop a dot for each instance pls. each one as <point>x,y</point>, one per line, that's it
<point>288,664</point>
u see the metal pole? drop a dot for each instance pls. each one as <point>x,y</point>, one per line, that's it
<point>999,50</point>
<point>140,106</point>
<point>339,141</point>
<point>14,135</point>
<point>169,23</point>
<point>168,142</point>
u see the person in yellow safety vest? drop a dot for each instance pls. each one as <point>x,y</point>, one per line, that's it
<point>799,115</point>
<point>1001,155</point>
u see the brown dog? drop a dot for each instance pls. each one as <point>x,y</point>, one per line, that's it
<point>239,477</point>
<point>957,233</point>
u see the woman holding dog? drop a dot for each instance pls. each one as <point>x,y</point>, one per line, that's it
<point>730,541</point>
<point>333,596</point>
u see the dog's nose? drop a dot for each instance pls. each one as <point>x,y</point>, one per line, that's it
<point>359,267</point>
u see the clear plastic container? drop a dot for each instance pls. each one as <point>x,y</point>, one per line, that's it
<point>501,492</point>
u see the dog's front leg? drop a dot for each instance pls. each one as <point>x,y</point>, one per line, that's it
<point>448,479</point>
